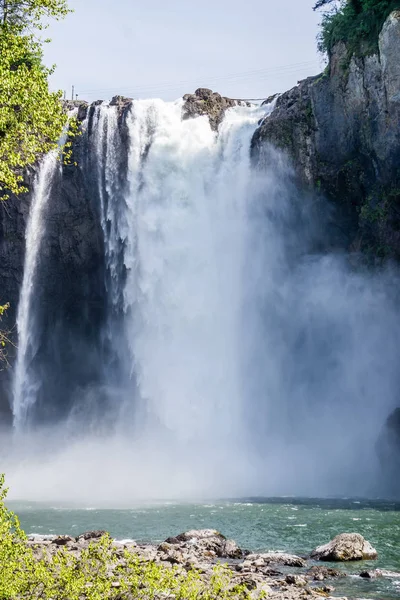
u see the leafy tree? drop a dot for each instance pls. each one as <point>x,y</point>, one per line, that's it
<point>355,22</point>
<point>31,117</point>
<point>4,339</point>
<point>28,13</point>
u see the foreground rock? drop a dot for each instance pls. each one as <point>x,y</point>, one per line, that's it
<point>346,547</point>
<point>277,558</point>
<point>204,542</point>
<point>202,550</point>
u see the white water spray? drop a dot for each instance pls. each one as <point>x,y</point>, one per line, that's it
<point>250,365</point>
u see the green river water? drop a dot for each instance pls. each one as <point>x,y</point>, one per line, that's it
<point>294,525</point>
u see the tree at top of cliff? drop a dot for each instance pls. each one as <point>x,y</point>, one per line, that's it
<point>357,23</point>
<point>31,117</point>
<point>25,13</point>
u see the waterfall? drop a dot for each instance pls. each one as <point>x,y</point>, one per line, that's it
<point>178,230</point>
<point>25,383</point>
<point>239,354</point>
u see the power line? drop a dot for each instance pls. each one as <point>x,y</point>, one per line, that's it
<point>261,74</point>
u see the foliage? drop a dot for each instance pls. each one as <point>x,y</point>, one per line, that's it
<point>100,572</point>
<point>355,22</point>
<point>31,117</point>
<point>4,339</point>
<point>29,13</point>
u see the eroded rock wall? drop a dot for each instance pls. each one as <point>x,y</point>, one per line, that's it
<point>342,131</point>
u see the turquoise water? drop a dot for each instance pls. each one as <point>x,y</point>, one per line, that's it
<point>294,525</point>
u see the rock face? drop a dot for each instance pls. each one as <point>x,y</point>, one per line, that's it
<point>345,547</point>
<point>207,102</point>
<point>342,131</point>
<point>69,292</point>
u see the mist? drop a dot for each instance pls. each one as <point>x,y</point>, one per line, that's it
<point>245,353</point>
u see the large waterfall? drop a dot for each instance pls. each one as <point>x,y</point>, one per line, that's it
<point>239,355</point>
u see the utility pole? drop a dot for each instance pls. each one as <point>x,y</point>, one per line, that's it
<point>65,95</point>
<point>73,93</point>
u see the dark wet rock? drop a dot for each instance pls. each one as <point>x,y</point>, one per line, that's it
<point>370,574</point>
<point>341,131</point>
<point>62,540</point>
<point>91,535</point>
<point>297,580</point>
<point>270,99</point>
<point>318,573</point>
<point>345,547</point>
<point>209,103</point>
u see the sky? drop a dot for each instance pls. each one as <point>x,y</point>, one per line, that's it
<point>165,49</point>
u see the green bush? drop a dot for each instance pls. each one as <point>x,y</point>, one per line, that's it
<point>100,572</point>
<point>357,23</point>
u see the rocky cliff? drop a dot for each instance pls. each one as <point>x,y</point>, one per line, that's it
<point>69,292</point>
<point>342,131</point>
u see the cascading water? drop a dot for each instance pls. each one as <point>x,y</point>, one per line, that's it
<point>238,359</point>
<point>25,383</point>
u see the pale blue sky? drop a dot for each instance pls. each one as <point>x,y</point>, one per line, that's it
<point>164,49</point>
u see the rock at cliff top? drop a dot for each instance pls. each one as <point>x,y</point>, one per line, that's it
<point>207,541</point>
<point>346,547</point>
<point>121,102</point>
<point>209,103</point>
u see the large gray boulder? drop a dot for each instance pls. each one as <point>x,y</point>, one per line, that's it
<point>346,547</point>
<point>205,542</point>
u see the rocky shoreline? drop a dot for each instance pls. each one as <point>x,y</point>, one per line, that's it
<point>276,575</point>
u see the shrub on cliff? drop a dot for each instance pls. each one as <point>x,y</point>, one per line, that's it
<point>31,117</point>
<point>355,22</point>
<point>99,572</point>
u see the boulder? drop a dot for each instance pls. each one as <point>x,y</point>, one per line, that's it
<point>318,573</point>
<point>276,558</point>
<point>62,540</point>
<point>370,574</point>
<point>205,542</point>
<point>345,547</point>
<point>91,535</point>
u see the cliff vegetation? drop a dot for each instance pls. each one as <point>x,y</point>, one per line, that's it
<point>31,117</point>
<point>357,23</point>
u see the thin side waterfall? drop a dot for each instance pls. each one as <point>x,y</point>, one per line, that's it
<point>25,384</point>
